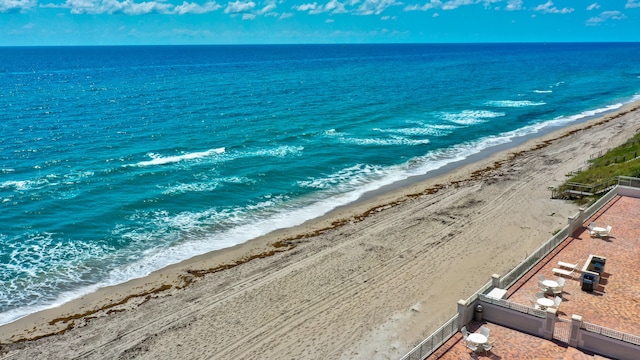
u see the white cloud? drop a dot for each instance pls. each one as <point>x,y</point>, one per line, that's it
<point>127,7</point>
<point>514,5</point>
<point>593,6</point>
<point>632,4</point>
<point>450,4</point>
<point>16,5</point>
<point>604,16</point>
<point>595,21</point>
<point>267,9</point>
<point>239,6</point>
<point>329,21</point>
<point>286,15</point>
<point>306,7</point>
<point>370,7</point>
<point>488,3</point>
<point>454,4</point>
<point>333,7</point>
<point>193,8</point>
<point>435,15</point>
<point>131,8</point>
<point>613,15</point>
<point>433,4</point>
<point>247,16</point>
<point>548,8</point>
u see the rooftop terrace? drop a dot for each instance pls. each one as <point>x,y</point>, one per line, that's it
<point>614,303</point>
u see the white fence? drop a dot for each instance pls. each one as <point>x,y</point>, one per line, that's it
<point>614,334</point>
<point>433,342</point>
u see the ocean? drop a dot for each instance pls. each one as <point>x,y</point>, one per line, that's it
<point>118,161</point>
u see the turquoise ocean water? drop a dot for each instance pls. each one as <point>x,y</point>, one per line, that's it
<point>117,161</point>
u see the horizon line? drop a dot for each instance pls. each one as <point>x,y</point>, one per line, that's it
<point>328,44</point>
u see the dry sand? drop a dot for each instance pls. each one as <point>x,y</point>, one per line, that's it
<point>368,281</point>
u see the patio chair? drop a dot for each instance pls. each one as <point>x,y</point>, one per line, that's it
<point>472,346</point>
<point>465,332</point>
<point>488,345</point>
<point>539,295</point>
<point>542,288</point>
<point>558,290</point>
<point>540,278</point>
<point>485,331</point>
<point>558,301</point>
<point>534,303</point>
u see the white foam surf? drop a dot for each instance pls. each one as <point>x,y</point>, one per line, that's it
<point>514,103</point>
<point>469,117</point>
<point>160,160</point>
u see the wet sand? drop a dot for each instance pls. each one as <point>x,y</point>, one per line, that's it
<point>367,281</point>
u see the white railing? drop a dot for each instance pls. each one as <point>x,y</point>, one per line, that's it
<point>629,181</point>
<point>533,259</point>
<point>433,342</point>
<point>614,334</point>
<point>513,306</point>
<point>600,203</point>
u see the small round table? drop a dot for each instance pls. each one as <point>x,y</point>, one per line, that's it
<point>477,338</point>
<point>545,303</point>
<point>550,284</point>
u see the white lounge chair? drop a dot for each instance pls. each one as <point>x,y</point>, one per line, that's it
<point>600,232</point>
<point>567,265</point>
<point>557,302</point>
<point>563,272</point>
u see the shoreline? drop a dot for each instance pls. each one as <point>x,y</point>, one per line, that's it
<point>390,188</point>
<point>286,251</point>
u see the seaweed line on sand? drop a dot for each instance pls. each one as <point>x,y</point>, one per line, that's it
<point>289,243</point>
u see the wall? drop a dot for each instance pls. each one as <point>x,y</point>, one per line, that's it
<point>526,323</point>
<point>628,191</point>
<point>607,346</point>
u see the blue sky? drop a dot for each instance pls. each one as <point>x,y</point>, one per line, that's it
<point>150,22</point>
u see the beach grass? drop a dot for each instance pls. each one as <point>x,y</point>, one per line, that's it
<point>620,161</point>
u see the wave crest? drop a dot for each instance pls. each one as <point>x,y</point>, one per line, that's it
<point>159,160</point>
<point>514,103</point>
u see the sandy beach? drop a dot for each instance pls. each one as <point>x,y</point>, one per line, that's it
<point>367,281</point>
